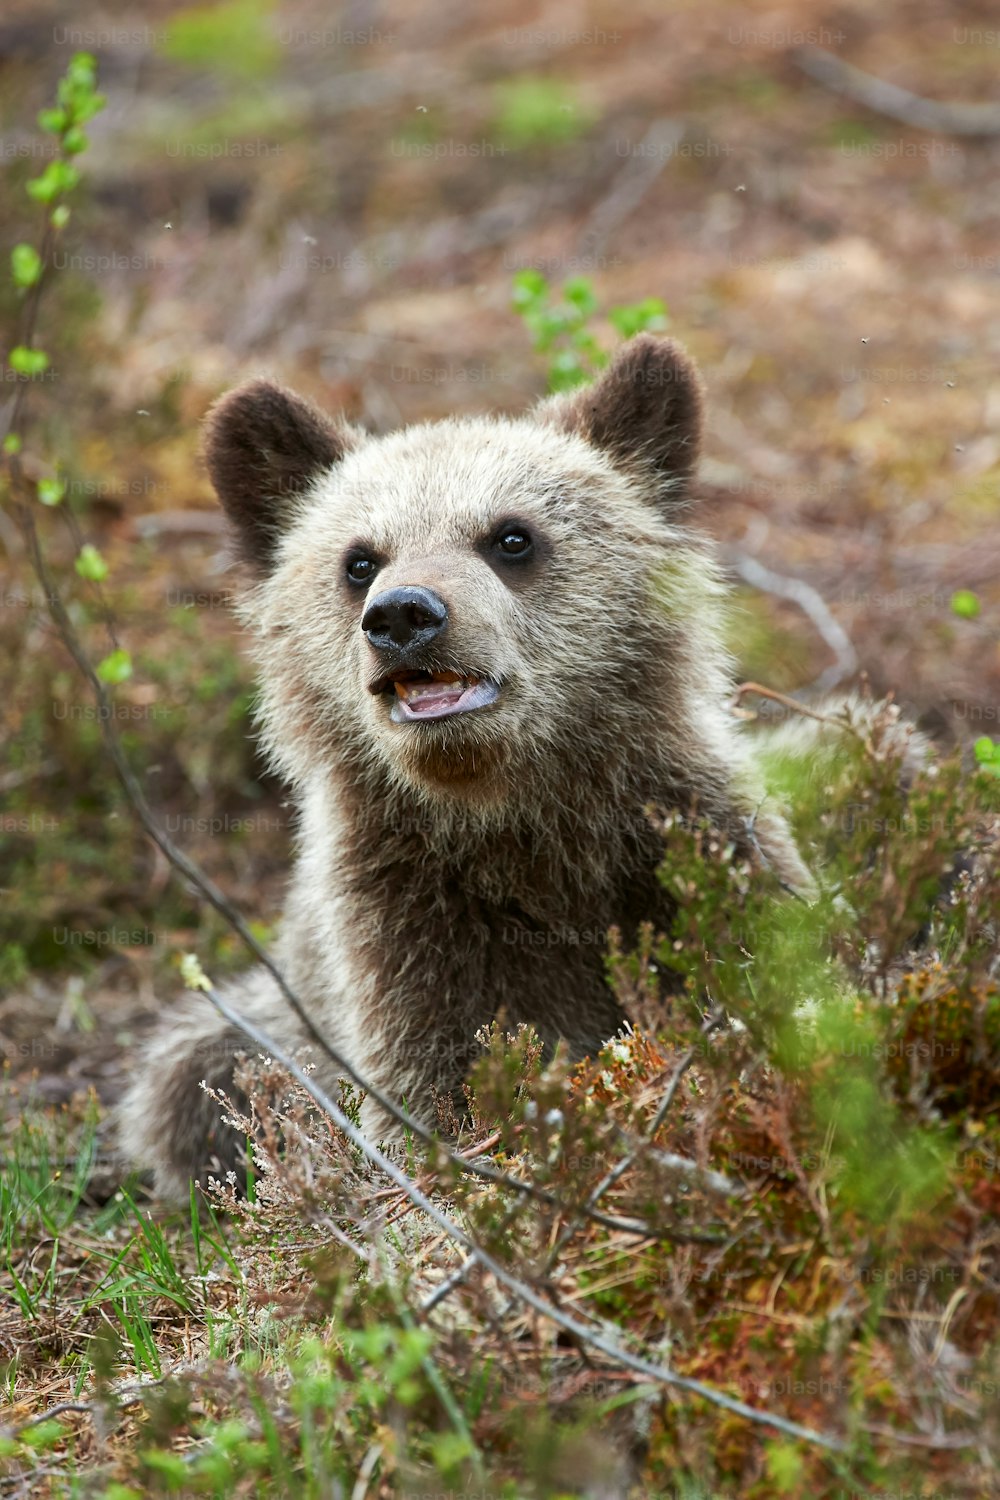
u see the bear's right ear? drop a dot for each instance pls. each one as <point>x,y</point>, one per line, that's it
<point>263,447</point>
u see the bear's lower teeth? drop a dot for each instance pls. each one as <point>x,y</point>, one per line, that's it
<point>442,696</point>
<point>443,685</point>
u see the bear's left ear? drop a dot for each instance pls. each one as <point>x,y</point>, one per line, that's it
<point>645,411</point>
<point>264,446</point>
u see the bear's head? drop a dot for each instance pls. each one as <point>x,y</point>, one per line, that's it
<point>462,603</point>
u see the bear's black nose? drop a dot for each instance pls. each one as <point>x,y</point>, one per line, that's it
<point>404,617</point>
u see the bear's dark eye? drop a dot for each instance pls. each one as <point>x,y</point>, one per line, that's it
<point>361,568</point>
<point>513,541</point>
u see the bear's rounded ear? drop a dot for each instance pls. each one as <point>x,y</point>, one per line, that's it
<point>645,411</point>
<point>263,447</point>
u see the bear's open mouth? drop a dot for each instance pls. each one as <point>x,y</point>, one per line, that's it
<point>434,695</point>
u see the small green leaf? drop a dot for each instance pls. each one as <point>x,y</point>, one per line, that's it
<point>43,189</point>
<point>116,667</point>
<point>28,361</point>
<point>12,443</point>
<point>44,1435</point>
<point>26,263</point>
<point>90,564</point>
<point>586,344</point>
<point>74,141</point>
<point>170,1466</point>
<point>965,604</point>
<point>987,754</point>
<point>85,109</point>
<point>784,1466</point>
<point>51,491</point>
<point>78,102</point>
<point>529,287</point>
<point>76,90</point>
<point>650,315</point>
<point>59,217</point>
<point>82,70</point>
<point>579,291</point>
<point>566,371</point>
<point>58,178</point>
<point>449,1449</point>
<point>53,121</point>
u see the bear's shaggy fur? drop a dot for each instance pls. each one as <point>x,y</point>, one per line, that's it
<point>456,867</point>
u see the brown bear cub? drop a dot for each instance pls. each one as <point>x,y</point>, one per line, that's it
<point>485,646</point>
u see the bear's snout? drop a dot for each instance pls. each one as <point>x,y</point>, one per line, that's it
<point>404,618</point>
<point>402,624</point>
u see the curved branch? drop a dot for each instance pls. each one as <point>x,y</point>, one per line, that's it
<point>898,104</point>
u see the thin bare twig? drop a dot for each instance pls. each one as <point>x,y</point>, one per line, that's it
<point>368,1466</point>
<point>889,99</point>
<point>631,186</point>
<point>942,1441</point>
<point>812,604</point>
<point>797,707</point>
<point>122,1398</point>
